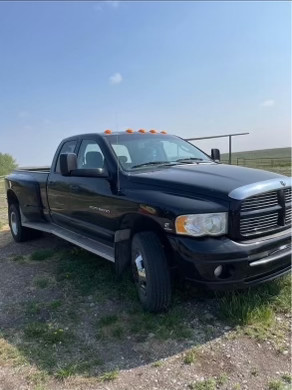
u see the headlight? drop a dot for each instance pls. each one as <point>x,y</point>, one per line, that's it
<point>198,225</point>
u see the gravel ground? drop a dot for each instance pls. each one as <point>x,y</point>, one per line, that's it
<point>225,357</point>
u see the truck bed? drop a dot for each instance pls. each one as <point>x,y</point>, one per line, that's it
<point>34,169</point>
<point>30,186</point>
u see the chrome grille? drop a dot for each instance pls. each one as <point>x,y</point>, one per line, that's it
<point>261,201</point>
<point>260,224</point>
<point>266,212</point>
<point>287,193</point>
<point>288,217</point>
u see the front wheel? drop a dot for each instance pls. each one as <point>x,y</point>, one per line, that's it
<point>151,272</point>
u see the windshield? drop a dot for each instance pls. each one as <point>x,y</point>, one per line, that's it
<point>140,150</point>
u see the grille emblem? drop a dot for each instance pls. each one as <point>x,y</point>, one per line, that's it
<point>283,183</point>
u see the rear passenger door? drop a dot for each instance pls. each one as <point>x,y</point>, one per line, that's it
<point>59,188</point>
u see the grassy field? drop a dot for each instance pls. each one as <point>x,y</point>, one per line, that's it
<point>265,153</point>
<point>66,322</point>
<point>274,160</point>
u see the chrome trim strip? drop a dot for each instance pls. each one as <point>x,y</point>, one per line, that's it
<point>86,243</point>
<point>243,192</point>
<point>285,249</point>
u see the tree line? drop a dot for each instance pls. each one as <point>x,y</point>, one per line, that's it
<point>7,164</point>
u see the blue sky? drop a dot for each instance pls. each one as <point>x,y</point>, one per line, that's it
<point>191,68</point>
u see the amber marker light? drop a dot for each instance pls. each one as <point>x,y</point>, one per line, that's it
<point>153,131</point>
<point>180,224</point>
<point>130,131</point>
<point>163,132</point>
<point>108,132</point>
<point>143,131</point>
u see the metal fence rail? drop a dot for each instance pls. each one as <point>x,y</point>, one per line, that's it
<point>280,165</point>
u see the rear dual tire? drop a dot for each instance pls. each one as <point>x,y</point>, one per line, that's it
<point>151,272</point>
<point>19,232</point>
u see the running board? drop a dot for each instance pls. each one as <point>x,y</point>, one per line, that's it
<point>90,245</point>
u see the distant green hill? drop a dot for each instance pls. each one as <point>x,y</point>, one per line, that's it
<point>264,153</point>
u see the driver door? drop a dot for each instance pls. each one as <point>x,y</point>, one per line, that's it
<point>91,197</point>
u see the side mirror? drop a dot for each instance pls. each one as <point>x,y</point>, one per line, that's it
<point>68,163</point>
<point>215,155</point>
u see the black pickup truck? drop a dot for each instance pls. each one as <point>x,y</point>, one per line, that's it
<point>156,203</point>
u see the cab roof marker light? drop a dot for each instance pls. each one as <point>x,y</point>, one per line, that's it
<point>130,131</point>
<point>163,132</point>
<point>143,131</point>
<point>108,132</point>
<point>153,131</point>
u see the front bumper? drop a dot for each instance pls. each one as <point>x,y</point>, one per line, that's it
<point>244,263</point>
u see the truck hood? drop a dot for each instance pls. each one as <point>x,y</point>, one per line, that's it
<point>211,180</point>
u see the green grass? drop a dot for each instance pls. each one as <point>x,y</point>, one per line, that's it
<point>222,379</point>
<point>66,371</point>
<point>157,364</point>
<point>32,308</point>
<point>42,254</point>
<point>257,304</point>
<point>10,355</point>
<point>19,259</point>
<point>208,384</point>
<point>42,282</point>
<point>37,378</point>
<point>109,376</point>
<point>287,378</point>
<point>55,305</point>
<point>85,274</point>
<point>276,385</point>
<point>107,320</point>
<point>255,310</point>
<point>88,274</point>
<point>274,160</point>
<point>264,153</point>
<point>46,333</point>
<point>190,357</point>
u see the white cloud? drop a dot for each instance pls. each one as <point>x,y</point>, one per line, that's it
<point>268,103</point>
<point>116,78</point>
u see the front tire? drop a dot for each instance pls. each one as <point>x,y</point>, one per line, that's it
<point>19,232</point>
<point>151,272</point>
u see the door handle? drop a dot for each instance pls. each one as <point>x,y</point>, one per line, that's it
<point>74,188</point>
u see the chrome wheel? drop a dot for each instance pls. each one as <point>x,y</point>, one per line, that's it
<point>140,272</point>
<point>13,223</point>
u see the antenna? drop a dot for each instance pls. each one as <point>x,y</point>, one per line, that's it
<point>118,162</point>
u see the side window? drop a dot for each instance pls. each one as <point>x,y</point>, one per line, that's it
<point>90,155</point>
<point>68,147</point>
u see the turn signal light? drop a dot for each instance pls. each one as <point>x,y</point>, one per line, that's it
<point>129,131</point>
<point>142,131</point>
<point>108,132</point>
<point>153,131</point>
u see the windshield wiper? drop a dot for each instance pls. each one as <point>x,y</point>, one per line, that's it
<point>154,163</point>
<point>189,160</point>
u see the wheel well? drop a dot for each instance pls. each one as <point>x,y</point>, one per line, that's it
<point>139,224</point>
<point>11,197</point>
<point>147,224</point>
